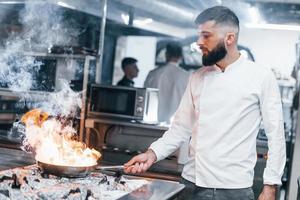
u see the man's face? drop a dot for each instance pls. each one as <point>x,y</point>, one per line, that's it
<point>132,70</point>
<point>211,43</point>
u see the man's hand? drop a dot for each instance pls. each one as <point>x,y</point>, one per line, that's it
<point>268,193</point>
<point>140,163</point>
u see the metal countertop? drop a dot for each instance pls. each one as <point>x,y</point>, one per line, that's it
<point>157,189</point>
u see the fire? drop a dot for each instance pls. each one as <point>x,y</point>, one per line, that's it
<point>35,116</point>
<point>53,141</point>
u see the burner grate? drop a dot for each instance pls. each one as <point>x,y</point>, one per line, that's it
<point>30,183</point>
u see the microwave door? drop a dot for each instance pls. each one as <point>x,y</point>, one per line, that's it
<point>113,102</point>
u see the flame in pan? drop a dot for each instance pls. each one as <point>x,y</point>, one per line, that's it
<point>34,117</point>
<point>54,143</point>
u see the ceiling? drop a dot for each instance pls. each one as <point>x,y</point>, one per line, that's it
<point>179,11</point>
<point>270,11</point>
<point>177,16</point>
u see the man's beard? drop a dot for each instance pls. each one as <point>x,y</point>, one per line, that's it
<point>215,55</point>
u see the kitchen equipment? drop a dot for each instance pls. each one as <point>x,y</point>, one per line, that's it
<point>10,109</point>
<point>73,171</point>
<point>124,102</point>
<point>119,140</point>
<point>98,185</point>
<point>72,50</point>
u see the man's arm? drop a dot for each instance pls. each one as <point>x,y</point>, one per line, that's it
<point>179,131</point>
<point>271,110</point>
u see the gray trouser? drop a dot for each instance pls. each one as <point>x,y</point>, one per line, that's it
<point>193,192</point>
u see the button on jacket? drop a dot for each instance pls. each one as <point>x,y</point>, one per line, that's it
<point>222,112</point>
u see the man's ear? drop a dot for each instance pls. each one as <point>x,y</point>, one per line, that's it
<point>230,38</point>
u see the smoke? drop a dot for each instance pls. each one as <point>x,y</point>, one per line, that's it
<point>16,70</point>
<point>43,26</point>
<point>64,103</point>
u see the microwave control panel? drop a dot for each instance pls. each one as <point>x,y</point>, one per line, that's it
<point>140,102</point>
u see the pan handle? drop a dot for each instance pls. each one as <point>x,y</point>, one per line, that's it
<point>108,167</point>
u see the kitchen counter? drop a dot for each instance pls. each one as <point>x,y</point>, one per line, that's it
<point>11,158</point>
<point>90,123</point>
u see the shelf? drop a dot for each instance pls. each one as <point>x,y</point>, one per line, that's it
<point>51,55</point>
<point>6,122</point>
<point>89,123</point>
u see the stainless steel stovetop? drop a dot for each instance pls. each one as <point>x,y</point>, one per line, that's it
<point>30,183</point>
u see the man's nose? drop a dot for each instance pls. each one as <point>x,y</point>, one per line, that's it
<point>200,42</point>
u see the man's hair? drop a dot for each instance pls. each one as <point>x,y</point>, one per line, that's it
<point>174,50</point>
<point>128,61</point>
<point>220,14</point>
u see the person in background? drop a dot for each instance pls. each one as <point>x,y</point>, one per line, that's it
<point>221,110</point>
<point>171,80</point>
<point>130,70</point>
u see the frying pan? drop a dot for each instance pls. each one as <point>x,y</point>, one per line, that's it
<point>72,171</point>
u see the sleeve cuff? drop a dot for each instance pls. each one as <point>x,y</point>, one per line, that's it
<point>156,149</point>
<point>272,180</point>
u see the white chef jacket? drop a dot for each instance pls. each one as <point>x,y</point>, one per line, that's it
<point>222,112</point>
<point>171,80</point>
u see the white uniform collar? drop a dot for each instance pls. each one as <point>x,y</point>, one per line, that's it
<point>231,66</point>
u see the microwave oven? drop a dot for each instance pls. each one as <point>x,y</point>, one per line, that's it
<point>124,102</point>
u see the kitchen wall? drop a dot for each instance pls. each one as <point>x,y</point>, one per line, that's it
<point>272,48</point>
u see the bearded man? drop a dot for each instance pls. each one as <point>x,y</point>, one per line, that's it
<point>221,110</point>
